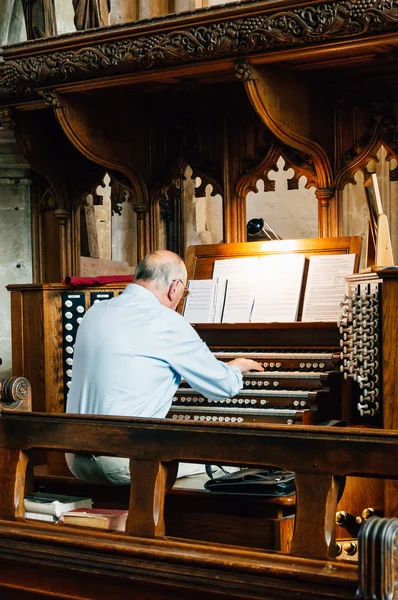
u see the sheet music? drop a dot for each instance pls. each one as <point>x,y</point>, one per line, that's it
<point>326,286</point>
<point>239,298</point>
<point>232,269</point>
<point>199,305</point>
<point>278,288</point>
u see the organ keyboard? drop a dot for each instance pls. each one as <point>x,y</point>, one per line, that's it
<point>290,390</point>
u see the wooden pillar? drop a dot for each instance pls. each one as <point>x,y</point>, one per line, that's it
<point>13,464</point>
<point>65,265</point>
<point>142,234</point>
<point>234,210</point>
<point>324,196</point>
<point>317,495</point>
<point>148,489</point>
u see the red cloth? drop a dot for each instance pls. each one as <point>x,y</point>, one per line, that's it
<point>100,280</point>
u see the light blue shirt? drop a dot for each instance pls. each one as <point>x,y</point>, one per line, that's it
<point>130,354</point>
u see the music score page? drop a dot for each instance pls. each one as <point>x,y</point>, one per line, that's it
<point>326,286</point>
<point>278,288</point>
<point>199,305</point>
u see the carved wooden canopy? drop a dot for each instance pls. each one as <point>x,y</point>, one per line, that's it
<point>264,31</point>
<point>226,90</point>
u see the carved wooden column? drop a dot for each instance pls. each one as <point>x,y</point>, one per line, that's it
<point>234,210</point>
<point>142,211</point>
<point>324,197</point>
<point>65,266</point>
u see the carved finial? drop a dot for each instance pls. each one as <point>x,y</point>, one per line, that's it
<point>6,118</point>
<point>51,98</point>
<point>243,70</point>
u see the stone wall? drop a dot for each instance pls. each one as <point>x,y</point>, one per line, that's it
<point>15,235</point>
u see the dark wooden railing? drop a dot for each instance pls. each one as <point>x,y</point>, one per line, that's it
<point>320,458</point>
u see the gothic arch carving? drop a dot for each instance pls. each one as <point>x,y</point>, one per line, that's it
<point>375,120</point>
<point>258,89</point>
<point>94,146</point>
<point>165,201</point>
<point>108,151</point>
<point>279,113</point>
<point>301,164</point>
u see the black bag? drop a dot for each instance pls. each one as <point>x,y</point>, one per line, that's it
<point>270,482</point>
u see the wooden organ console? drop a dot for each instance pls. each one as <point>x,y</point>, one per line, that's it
<point>301,382</point>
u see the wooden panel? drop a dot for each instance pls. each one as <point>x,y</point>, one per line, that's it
<point>37,338</point>
<point>270,335</point>
<point>33,348</point>
<point>200,259</point>
<point>17,332</point>
<point>229,519</point>
<point>389,292</point>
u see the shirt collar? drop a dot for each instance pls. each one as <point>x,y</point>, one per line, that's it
<point>138,290</point>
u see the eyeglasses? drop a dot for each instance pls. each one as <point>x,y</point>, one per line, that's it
<point>186,291</point>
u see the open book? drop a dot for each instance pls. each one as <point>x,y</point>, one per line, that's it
<point>271,289</point>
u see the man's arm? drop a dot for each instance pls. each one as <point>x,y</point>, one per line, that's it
<point>190,357</point>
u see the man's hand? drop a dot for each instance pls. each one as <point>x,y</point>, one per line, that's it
<point>245,365</point>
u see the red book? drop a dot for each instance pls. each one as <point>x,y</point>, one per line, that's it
<point>100,280</point>
<point>100,518</point>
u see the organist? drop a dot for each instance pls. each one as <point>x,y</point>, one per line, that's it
<point>130,354</point>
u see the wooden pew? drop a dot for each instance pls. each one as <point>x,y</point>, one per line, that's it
<point>80,563</point>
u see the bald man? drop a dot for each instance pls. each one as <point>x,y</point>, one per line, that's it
<point>129,357</point>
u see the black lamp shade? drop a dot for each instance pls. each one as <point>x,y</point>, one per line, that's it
<point>255,226</point>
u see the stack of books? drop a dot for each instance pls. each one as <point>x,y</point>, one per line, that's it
<point>49,507</point>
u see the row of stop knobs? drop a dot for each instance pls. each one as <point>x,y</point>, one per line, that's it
<point>359,326</point>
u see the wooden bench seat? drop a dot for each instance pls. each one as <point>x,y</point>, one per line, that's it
<point>73,564</point>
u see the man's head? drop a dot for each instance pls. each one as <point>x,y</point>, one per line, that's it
<point>164,274</point>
